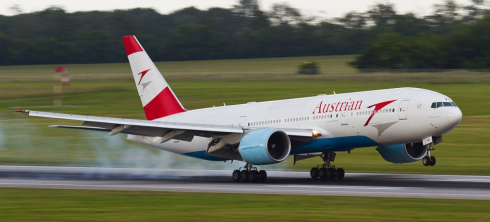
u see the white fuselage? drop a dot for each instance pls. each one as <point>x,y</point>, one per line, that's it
<point>346,121</point>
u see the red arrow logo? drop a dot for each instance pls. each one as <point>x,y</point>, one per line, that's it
<point>142,75</point>
<point>377,107</point>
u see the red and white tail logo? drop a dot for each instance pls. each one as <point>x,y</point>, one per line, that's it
<point>156,96</point>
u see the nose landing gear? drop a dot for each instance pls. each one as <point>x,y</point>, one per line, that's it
<point>429,160</point>
<point>249,173</point>
<point>327,171</point>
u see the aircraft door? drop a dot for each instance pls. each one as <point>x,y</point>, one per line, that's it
<point>242,121</point>
<point>402,114</point>
<point>344,118</point>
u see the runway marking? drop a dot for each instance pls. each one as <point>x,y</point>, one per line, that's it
<point>339,187</point>
<point>461,180</point>
<point>241,189</point>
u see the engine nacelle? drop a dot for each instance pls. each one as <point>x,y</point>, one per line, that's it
<point>403,153</point>
<point>265,146</point>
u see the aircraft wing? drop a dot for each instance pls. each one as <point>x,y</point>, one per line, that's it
<point>166,130</point>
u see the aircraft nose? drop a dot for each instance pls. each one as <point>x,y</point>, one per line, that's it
<point>454,116</point>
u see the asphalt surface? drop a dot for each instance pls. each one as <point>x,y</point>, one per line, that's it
<point>219,181</point>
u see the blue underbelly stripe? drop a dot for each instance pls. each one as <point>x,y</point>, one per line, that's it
<point>314,146</point>
<point>334,144</point>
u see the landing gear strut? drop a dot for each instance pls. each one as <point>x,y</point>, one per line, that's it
<point>429,160</point>
<point>326,170</point>
<point>249,173</point>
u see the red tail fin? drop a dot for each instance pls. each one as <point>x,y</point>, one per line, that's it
<point>156,95</point>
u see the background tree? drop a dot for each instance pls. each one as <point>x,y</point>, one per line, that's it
<point>284,14</point>
<point>382,14</point>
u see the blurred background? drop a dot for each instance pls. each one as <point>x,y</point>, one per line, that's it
<point>244,51</point>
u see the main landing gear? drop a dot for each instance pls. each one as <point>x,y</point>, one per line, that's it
<point>249,173</point>
<point>429,160</point>
<point>326,170</point>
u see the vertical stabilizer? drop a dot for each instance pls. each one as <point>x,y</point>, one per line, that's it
<point>156,96</point>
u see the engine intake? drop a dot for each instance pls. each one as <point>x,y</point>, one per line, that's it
<point>265,146</point>
<point>403,153</point>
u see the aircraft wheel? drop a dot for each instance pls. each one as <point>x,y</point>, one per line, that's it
<point>262,175</point>
<point>339,173</point>
<point>314,173</point>
<point>236,175</point>
<point>252,176</point>
<point>330,173</point>
<point>426,161</point>
<point>432,161</point>
<point>244,175</point>
<point>322,173</point>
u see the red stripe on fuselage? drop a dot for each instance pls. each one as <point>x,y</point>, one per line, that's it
<point>131,45</point>
<point>164,104</point>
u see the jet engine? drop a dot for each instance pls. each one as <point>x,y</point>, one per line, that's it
<point>403,153</point>
<point>264,146</point>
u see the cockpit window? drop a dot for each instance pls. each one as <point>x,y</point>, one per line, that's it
<point>436,105</point>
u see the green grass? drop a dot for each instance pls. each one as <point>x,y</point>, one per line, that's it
<point>333,68</point>
<point>26,140</point>
<point>83,205</point>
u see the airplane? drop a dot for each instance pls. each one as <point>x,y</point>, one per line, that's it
<point>403,123</point>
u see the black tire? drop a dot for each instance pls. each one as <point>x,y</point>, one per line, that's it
<point>236,175</point>
<point>244,175</point>
<point>432,161</point>
<point>314,173</point>
<point>322,173</point>
<point>330,173</point>
<point>340,173</point>
<point>252,176</point>
<point>262,175</point>
<point>426,161</point>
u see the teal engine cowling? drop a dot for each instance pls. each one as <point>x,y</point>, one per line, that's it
<point>264,146</point>
<point>403,153</point>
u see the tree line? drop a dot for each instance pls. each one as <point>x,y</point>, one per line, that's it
<point>454,37</point>
<point>382,37</point>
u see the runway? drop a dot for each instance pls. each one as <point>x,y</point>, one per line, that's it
<point>219,181</point>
